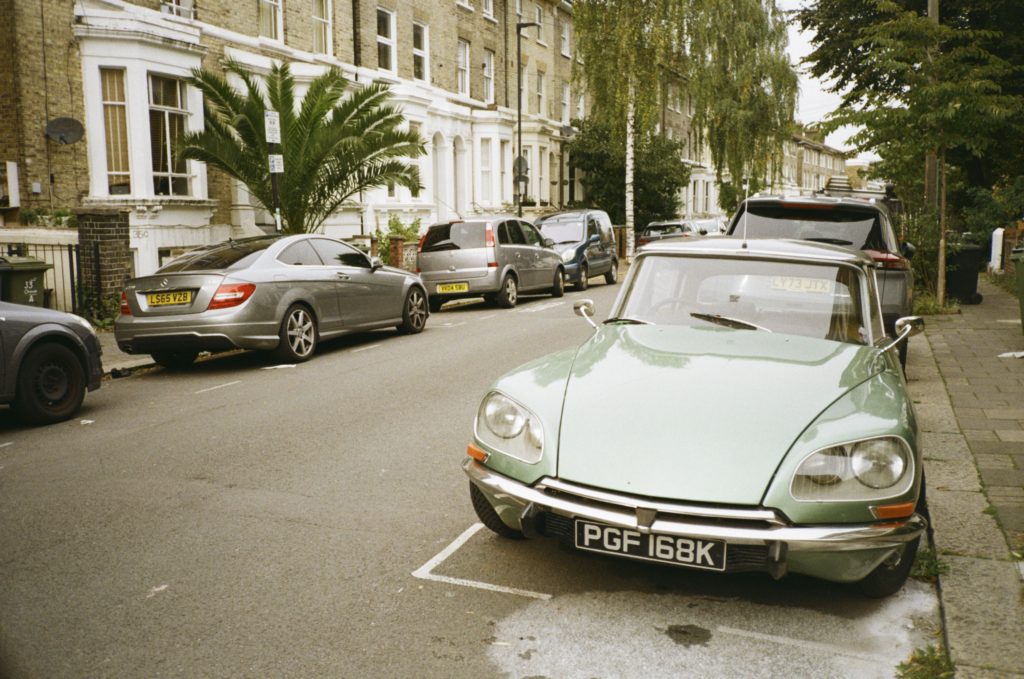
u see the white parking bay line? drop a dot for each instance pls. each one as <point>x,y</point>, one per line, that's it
<point>219,386</point>
<point>799,643</point>
<point>372,346</point>
<point>425,572</point>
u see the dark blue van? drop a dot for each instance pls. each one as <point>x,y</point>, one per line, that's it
<point>586,242</point>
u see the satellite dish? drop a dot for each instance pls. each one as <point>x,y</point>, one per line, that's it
<point>64,130</point>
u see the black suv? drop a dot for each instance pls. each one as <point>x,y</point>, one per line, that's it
<point>856,223</point>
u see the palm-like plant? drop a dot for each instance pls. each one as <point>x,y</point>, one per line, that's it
<point>334,144</point>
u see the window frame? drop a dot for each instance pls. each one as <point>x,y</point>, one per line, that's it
<point>489,58</point>
<point>389,42</point>
<point>566,39</point>
<point>462,58</point>
<point>123,143</point>
<point>277,14</point>
<point>323,26</point>
<point>181,111</point>
<point>538,16</point>
<point>540,93</point>
<point>423,52</point>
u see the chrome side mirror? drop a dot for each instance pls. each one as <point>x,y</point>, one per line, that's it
<point>585,308</point>
<point>906,327</point>
<point>375,263</point>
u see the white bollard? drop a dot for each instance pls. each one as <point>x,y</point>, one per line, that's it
<point>995,262</point>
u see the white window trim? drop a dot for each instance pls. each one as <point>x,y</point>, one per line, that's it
<point>328,23</point>
<point>566,39</point>
<point>391,42</point>
<point>278,19</point>
<point>519,8</point>
<point>425,52</point>
<point>541,94</point>
<point>538,16</point>
<point>168,111</point>
<point>462,80</point>
<point>489,58</point>
<point>566,105</point>
<point>465,4</point>
<point>488,10</point>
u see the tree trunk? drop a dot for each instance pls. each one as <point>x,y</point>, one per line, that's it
<point>630,120</point>
<point>941,285</point>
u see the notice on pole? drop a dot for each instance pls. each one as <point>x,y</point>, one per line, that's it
<point>276,163</point>
<point>272,126</point>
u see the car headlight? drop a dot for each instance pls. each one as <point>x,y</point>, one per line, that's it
<point>569,255</point>
<point>871,469</point>
<point>510,428</point>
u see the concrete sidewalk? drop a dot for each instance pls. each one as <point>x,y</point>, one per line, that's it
<point>115,360</point>
<point>970,406</point>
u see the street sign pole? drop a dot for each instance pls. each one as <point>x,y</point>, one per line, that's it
<point>272,128</point>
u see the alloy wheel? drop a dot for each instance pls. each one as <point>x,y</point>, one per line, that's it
<point>417,310</point>
<point>301,333</point>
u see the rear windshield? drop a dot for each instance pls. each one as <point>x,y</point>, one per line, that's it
<point>854,228</point>
<point>664,229</point>
<point>454,236</point>
<point>564,229</point>
<point>232,255</point>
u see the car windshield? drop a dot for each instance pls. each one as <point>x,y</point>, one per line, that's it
<point>811,300</point>
<point>849,227</point>
<point>232,255</point>
<point>454,236</point>
<point>663,229</point>
<point>567,229</point>
<point>708,225</point>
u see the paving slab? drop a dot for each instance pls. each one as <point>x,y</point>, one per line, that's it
<point>962,527</point>
<point>984,617</point>
<point>943,445</point>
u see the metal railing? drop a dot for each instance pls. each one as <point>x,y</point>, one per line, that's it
<point>63,287</point>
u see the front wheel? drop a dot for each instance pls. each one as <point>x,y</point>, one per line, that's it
<point>509,293</point>
<point>584,282</point>
<point>298,335</point>
<point>558,285</point>
<point>488,517</point>
<point>414,312</point>
<point>612,276</point>
<point>888,577</point>
<point>51,385</point>
<point>175,360</point>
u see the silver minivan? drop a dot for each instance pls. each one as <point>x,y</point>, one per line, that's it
<point>496,257</point>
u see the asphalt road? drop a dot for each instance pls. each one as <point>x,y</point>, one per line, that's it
<point>244,520</point>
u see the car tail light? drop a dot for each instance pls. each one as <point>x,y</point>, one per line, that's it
<point>125,309</point>
<point>231,294</point>
<point>492,260</point>
<point>645,241</point>
<point>889,260</point>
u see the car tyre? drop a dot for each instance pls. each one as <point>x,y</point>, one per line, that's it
<point>584,282</point>
<point>51,385</point>
<point>298,335</point>
<point>509,293</point>
<point>888,578</point>
<point>558,285</point>
<point>414,312</point>
<point>612,277</point>
<point>488,517</point>
<point>435,304</point>
<point>175,360</point>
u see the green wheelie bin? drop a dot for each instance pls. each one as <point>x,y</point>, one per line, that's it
<point>21,279</point>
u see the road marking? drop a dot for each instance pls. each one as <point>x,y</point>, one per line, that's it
<point>453,325</point>
<point>542,307</point>
<point>278,367</point>
<point>424,571</point>
<point>4,445</point>
<point>372,346</point>
<point>219,386</point>
<point>799,643</point>
<point>88,421</point>
<point>487,318</point>
<point>156,590</point>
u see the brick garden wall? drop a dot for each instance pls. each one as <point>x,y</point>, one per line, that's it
<point>107,229</point>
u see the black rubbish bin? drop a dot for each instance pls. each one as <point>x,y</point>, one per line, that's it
<point>962,269</point>
<point>21,280</point>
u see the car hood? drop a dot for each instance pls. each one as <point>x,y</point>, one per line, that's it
<point>698,414</point>
<point>562,247</point>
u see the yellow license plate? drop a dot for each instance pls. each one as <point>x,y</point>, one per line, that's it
<point>453,287</point>
<point>169,298</point>
<point>821,286</point>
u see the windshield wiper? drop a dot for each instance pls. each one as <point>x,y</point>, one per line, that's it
<point>625,321</point>
<point>830,241</point>
<point>728,322</point>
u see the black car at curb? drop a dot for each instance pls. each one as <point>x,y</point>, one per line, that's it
<point>50,359</point>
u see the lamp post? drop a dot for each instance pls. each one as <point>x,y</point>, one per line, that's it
<point>519,168</point>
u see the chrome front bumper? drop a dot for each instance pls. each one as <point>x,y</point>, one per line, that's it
<point>752,527</point>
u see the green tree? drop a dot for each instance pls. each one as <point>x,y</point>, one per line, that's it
<point>661,173</point>
<point>334,144</point>
<point>729,55</point>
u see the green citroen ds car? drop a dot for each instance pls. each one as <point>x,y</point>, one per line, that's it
<point>741,409</point>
